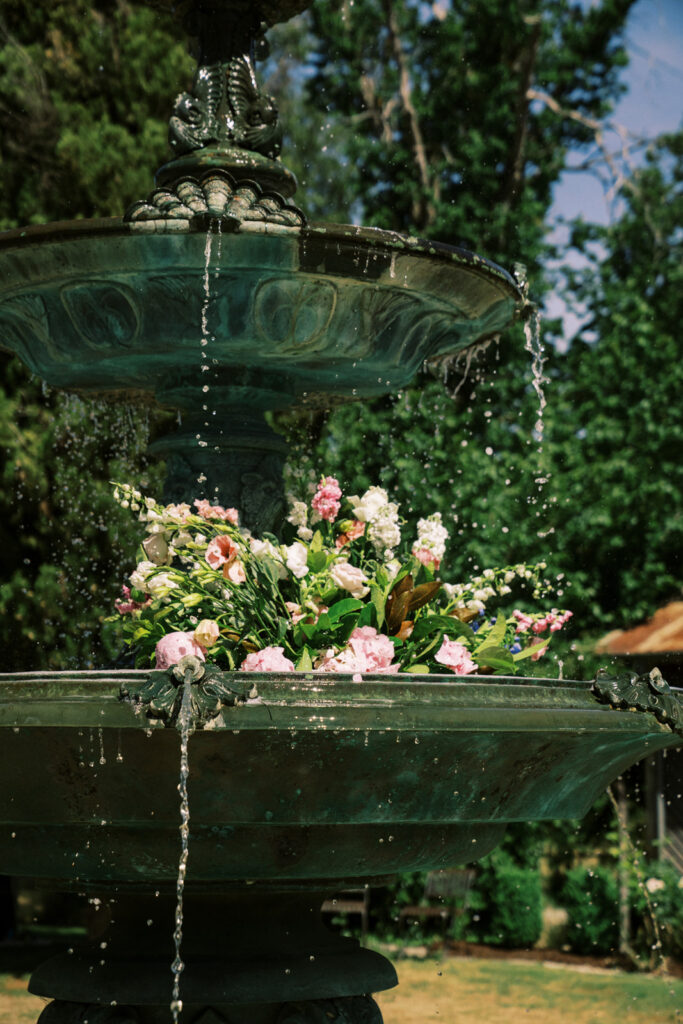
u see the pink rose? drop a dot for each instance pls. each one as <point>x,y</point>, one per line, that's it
<point>326,499</point>
<point>208,511</point>
<point>270,659</point>
<point>427,557</point>
<point>367,651</point>
<point>456,657</point>
<point>539,653</point>
<point>174,646</point>
<point>206,634</point>
<point>221,550</point>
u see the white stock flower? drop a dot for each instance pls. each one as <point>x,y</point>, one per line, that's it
<point>350,578</point>
<point>298,513</point>
<point>368,507</point>
<point>296,555</point>
<point>432,535</point>
<point>383,530</point>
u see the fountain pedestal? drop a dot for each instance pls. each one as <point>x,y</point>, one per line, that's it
<point>248,956</point>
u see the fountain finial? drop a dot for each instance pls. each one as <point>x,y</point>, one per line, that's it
<point>224,120</point>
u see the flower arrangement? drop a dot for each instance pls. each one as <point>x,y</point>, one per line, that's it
<point>341,596</point>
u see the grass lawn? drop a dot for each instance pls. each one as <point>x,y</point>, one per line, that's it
<point>470,991</point>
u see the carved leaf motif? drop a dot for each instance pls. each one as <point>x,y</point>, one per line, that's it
<point>23,322</point>
<point>649,692</point>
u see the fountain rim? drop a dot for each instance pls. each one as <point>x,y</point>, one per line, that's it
<point>363,237</point>
<point>398,702</point>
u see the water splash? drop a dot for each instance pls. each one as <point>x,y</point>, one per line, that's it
<point>534,346</point>
<point>185,726</point>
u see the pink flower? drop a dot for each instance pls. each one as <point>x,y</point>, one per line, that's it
<point>127,604</point>
<point>270,659</point>
<point>367,651</point>
<point>178,513</point>
<point>427,558</point>
<point>326,499</point>
<point>456,657</point>
<point>353,530</point>
<point>524,621</point>
<point>174,646</point>
<point>539,653</point>
<point>234,571</point>
<point>221,550</point>
<point>208,511</point>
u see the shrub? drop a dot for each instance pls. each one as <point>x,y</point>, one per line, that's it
<point>504,905</point>
<point>659,896</point>
<point>591,898</point>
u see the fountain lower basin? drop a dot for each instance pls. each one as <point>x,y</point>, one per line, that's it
<point>326,780</point>
<point>323,784</point>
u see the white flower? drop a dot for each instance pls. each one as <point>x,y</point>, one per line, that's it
<point>182,539</point>
<point>392,567</point>
<point>655,885</point>
<point>305,533</point>
<point>475,606</point>
<point>350,578</point>
<point>159,584</point>
<point>156,548</point>
<point>296,555</point>
<point>368,507</point>
<point>383,531</point>
<point>262,549</point>
<point>139,576</point>
<point>432,535</point>
<point>298,513</point>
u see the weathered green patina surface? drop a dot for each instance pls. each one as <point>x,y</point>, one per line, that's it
<point>322,779</point>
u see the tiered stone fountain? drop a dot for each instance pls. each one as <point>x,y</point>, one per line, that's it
<point>327,784</point>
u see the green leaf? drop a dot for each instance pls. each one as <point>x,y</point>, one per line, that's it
<point>528,651</point>
<point>316,542</point>
<point>497,658</point>
<point>343,607</point>
<point>428,624</point>
<point>368,616</point>
<point>304,664</point>
<point>379,602</point>
<point>316,560</point>
<point>418,670</point>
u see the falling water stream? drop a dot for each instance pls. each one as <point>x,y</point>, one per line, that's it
<point>185,727</point>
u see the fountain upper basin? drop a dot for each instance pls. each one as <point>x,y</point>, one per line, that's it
<point>325,780</point>
<point>301,315</point>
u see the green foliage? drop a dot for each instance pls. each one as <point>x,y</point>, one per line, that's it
<point>504,904</point>
<point>590,897</point>
<point>657,911</point>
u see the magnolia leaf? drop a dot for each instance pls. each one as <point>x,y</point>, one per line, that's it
<point>424,593</point>
<point>397,609</point>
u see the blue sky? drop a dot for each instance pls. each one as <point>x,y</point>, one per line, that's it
<point>654,102</point>
<point>652,105</point>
